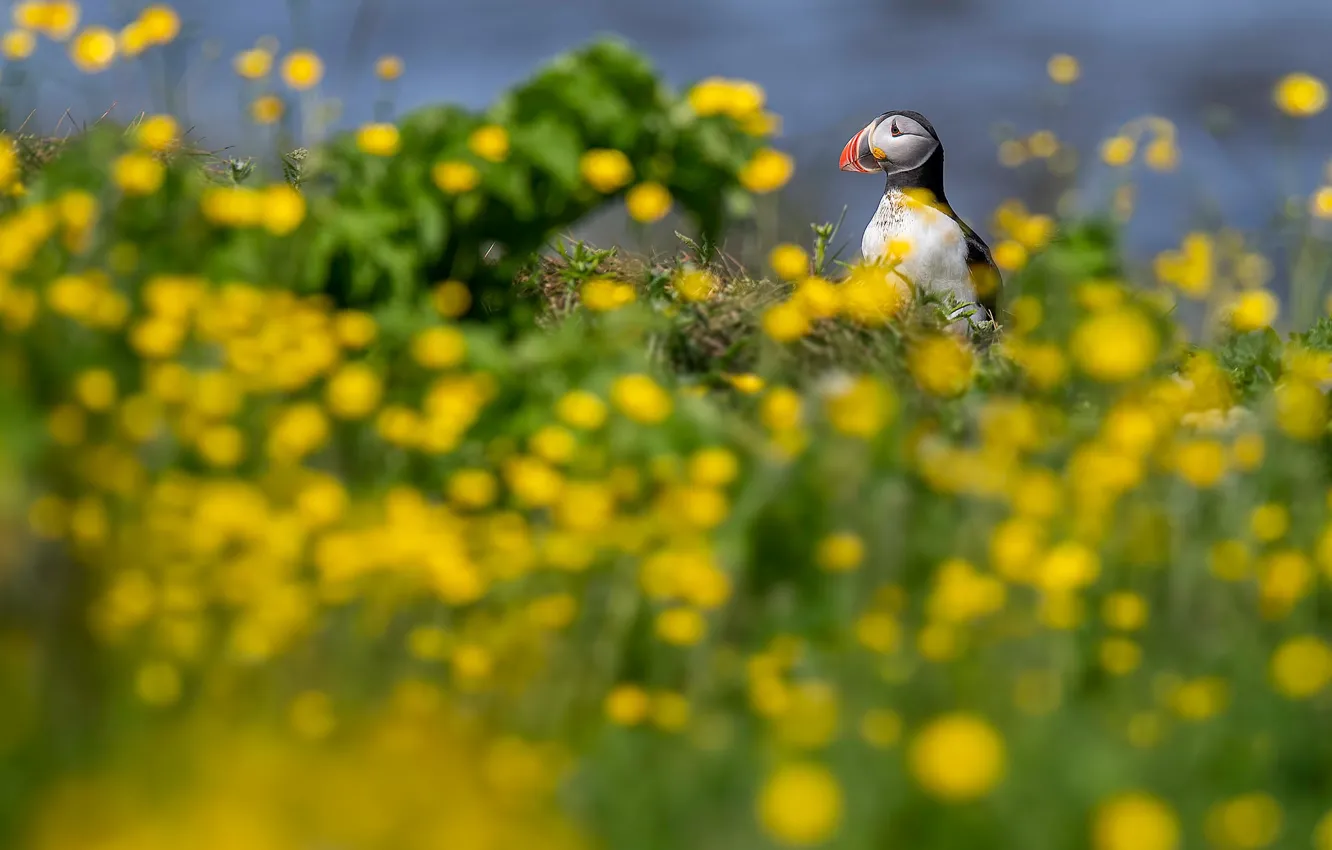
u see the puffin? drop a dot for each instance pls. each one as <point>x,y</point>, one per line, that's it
<point>943,254</point>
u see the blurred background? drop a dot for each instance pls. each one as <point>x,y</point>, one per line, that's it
<point>976,69</point>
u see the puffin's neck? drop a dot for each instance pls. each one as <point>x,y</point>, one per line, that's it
<point>928,176</point>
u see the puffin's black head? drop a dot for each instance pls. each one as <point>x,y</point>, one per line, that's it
<point>895,143</point>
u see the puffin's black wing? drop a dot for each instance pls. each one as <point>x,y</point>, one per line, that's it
<point>985,275</point>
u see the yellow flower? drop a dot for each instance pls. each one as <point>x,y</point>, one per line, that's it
<point>302,70</point>
<point>158,132</point>
<point>1012,153</point>
<point>18,44</point>
<point>1134,820</point>
<point>840,552</point>
<point>695,284</point>
<point>606,170</point>
<point>138,173</point>
<point>93,50</point>
<point>439,347</point>
<point>581,409</point>
<point>1202,463</point>
<point>957,757</point>
<point>602,295</point>
<point>790,262</point>
<point>1063,69</point>
<point>388,67</point>
<point>1300,95</point>
<point>941,364</point>
<point>451,299</point>
<point>553,444</point>
<point>253,64</point>
<point>1320,204</point>
<point>472,488</point>
<point>281,209</point>
<point>800,805</point>
<point>1125,611</point>
<point>1068,566</point>
<point>1043,144</point>
<point>713,467</point>
<point>1118,151</point>
<point>1120,656</point>
<point>161,23</point>
<point>1115,345</point>
<point>490,142</point>
<point>454,177</point>
<point>96,389</point>
<point>1253,310</point>
<point>627,705</point>
<point>1322,838</point>
<point>222,446</point>
<point>768,171</point>
<point>379,139</point>
<point>1301,667</point>
<point>354,391</point>
<point>1301,410</point>
<point>681,626</point>
<point>785,322</point>
<point>862,408</point>
<point>1162,154</point>
<point>881,728</point>
<point>648,202</point>
<point>1247,822</point>
<point>817,298</point>
<point>267,109</point>
<point>1269,522</point>
<point>641,399</point>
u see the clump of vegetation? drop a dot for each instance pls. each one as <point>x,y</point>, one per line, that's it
<point>333,513</point>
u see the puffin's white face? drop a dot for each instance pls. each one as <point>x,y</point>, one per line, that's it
<point>890,143</point>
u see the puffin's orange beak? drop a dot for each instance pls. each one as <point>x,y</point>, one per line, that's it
<point>856,156</point>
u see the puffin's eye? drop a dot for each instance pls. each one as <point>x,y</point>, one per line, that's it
<point>895,130</point>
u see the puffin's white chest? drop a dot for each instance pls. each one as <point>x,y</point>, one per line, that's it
<point>936,258</point>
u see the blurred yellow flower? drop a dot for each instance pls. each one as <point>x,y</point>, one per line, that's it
<point>957,757</point>
<point>1118,151</point>
<point>800,804</point>
<point>581,409</point>
<point>1043,144</point>
<point>681,626</point>
<point>941,364</point>
<point>160,22</point>
<point>439,347</point>
<point>1115,345</point>
<point>1162,154</point>
<point>606,170</point>
<point>451,299</point>
<point>93,50</point>
<point>785,322</point>
<point>1300,95</point>
<point>389,67</point>
<point>1320,203</point>
<point>490,142</point>
<point>1010,255</point>
<point>713,467</point>
<point>1063,69</point>
<point>790,262</point>
<point>1135,820</point>
<point>158,132</point>
<point>379,139</point>
<point>454,177</point>
<point>302,70</point>
<point>354,391</point>
<point>768,171</point>
<point>17,44</point>
<point>1301,667</point>
<point>138,173</point>
<point>1246,822</point>
<point>840,552</point>
<point>627,705</point>
<point>641,399</point>
<point>1120,656</point>
<point>648,202</point>
<point>281,209</point>
<point>1269,522</point>
<point>157,683</point>
<point>861,408</point>
<point>472,488</point>
<point>267,109</point>
<point>602,295</point>
<point>1302,410</point>
<point>253,64</point>
<point>1254,309</point>
<point>695,284</point>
